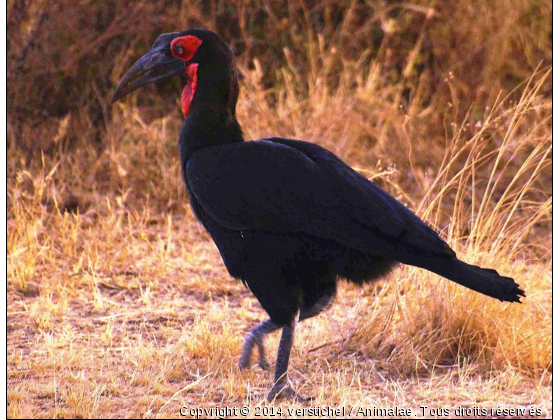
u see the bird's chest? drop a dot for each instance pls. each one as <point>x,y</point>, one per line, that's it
<point>229,242</point>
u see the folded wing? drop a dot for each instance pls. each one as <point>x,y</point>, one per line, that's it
<point>284,185</point>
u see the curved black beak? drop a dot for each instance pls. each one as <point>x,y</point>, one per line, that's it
<point>155,65</point>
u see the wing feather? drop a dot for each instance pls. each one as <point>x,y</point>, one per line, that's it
<point>283,185</point>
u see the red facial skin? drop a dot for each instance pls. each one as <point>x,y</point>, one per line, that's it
<point>189,45</point>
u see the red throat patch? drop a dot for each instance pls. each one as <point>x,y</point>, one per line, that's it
<point>190,88</point>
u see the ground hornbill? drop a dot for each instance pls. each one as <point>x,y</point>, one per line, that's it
<point>288,217</point>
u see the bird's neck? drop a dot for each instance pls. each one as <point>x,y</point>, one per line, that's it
<point>206,126</point>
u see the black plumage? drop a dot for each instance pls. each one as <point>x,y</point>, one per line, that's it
<point>289,217</point>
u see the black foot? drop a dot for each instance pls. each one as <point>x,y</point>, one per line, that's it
<point>244,362</point>
<point>264,365</point>
<point>279,391</point>
<point>255,338</point>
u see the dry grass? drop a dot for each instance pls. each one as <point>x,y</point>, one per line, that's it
<point>118,303</point>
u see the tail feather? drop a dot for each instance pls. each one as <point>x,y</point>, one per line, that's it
<point>482,280</point>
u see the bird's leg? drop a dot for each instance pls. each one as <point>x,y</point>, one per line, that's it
<point>256,336</point>
<point>282,387</point>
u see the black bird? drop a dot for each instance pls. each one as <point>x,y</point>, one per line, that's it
<point>288,217</point>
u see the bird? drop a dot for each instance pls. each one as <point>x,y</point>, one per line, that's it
<point>289,218</point>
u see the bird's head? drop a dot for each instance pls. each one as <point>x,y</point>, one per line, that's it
<point>201,55</point>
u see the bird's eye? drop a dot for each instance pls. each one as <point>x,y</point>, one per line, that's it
<point>178,49</point>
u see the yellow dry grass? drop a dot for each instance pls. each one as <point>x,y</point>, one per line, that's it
<point>118,304</point>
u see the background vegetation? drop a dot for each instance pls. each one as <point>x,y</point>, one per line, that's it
<point>118,304</point>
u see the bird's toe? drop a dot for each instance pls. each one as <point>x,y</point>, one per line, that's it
<point>244,362</point>
<point>263,364</point>
<point>286,391</point>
